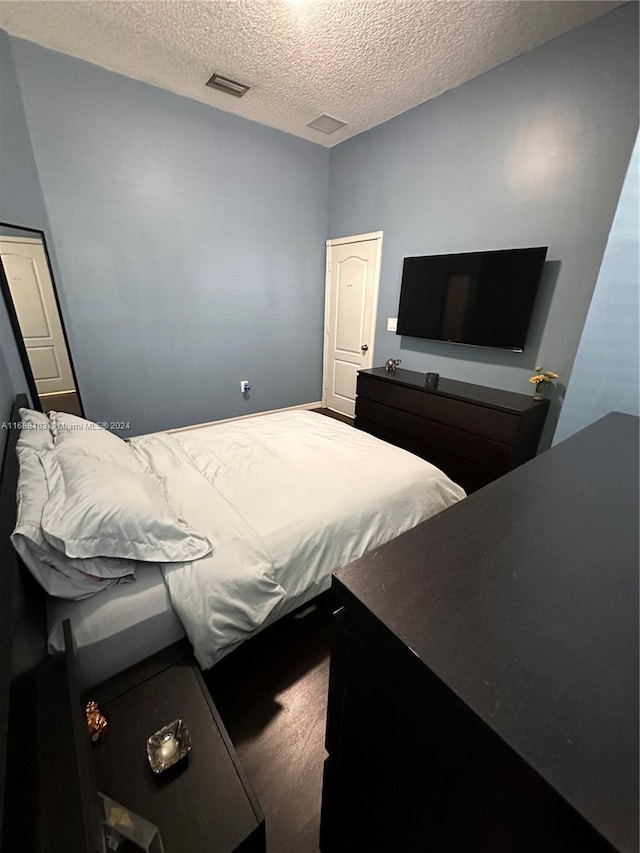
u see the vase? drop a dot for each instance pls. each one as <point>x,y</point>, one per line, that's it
<point>539,392</point>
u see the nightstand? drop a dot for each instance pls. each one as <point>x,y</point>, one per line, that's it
<point>205,803</point>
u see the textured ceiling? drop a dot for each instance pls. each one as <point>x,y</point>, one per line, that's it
<point>361,61</point>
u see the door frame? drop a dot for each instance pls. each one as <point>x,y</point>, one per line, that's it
<point>9,238</point>
<point>341,241</point>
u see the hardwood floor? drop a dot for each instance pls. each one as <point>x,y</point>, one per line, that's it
<point>66,402</point>
<point>272,696</point>
<point>336,415</point>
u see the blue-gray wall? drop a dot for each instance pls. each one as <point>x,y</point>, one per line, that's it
<point>21,199</point>
<point>606,372</point>
<point>190,246</point>
<point>532,153</point>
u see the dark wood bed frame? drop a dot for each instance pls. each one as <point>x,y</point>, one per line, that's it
<point>22,648</point>
<point>45,772</point>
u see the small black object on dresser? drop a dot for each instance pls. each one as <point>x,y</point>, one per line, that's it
<point>474,434</point>
<point>483,690</point>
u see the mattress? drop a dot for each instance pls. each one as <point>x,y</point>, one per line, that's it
<point>117,628</point>
<point>127,623</point>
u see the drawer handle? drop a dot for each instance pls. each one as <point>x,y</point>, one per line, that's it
<point>341,616</point>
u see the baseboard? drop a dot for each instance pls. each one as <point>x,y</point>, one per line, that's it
<point>316,405</point>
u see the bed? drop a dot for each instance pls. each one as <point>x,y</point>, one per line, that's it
<point>268,508</point>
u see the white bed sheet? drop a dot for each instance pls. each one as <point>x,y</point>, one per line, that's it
<point>286,499</point>
<point>117,628</point>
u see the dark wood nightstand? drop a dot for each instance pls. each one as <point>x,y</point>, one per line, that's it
<point>205,803</point>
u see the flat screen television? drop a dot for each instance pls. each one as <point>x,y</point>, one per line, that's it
<point>482,299</point>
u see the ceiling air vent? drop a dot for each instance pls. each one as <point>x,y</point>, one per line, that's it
<point>326,124</point>
<point>231,87</point>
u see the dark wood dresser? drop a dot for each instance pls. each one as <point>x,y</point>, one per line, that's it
<point>483,692</point>
<point>474,434</point>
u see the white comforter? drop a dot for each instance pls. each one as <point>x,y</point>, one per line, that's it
<point>285,499</point>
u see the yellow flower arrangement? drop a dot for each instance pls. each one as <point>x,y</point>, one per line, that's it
<point>542,375</point>
<point>540,379</point>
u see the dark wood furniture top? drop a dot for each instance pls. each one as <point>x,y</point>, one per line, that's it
<point>473,433</point>
<point>493,398</point>
<point>521,602</point>
<point>203,804</point>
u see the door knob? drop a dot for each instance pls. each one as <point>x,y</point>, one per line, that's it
<point>364,347</point>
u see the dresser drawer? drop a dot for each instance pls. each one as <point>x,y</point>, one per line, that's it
<point>467,474</point>
<point>399,397</point>
<point>467,445</point>
<point>501,427</point>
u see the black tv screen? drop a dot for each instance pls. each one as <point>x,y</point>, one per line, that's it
<point>482,299</point>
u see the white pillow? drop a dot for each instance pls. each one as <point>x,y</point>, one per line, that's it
<point>58,574</point>
<point>35,431</point>
<point>90,439</point>
<point>96,508</point>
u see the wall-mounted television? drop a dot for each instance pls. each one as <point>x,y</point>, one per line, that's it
<point>482,299</point>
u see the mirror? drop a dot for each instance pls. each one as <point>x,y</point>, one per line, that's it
<point>29,291</point>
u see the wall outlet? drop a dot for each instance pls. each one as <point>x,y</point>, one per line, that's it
<point>244,386</point>
<point>392,324</point>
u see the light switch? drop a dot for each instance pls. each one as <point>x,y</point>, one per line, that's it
<point>392,324</point>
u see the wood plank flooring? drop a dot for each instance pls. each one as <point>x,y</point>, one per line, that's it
<point>272,696</point>
<point>68,402</point>
<point>338,416</point>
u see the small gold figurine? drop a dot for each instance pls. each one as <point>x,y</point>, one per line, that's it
<point>96,722</point>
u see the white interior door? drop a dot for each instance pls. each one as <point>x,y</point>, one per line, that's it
<point>353,274</point>
<point>27,271</point>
